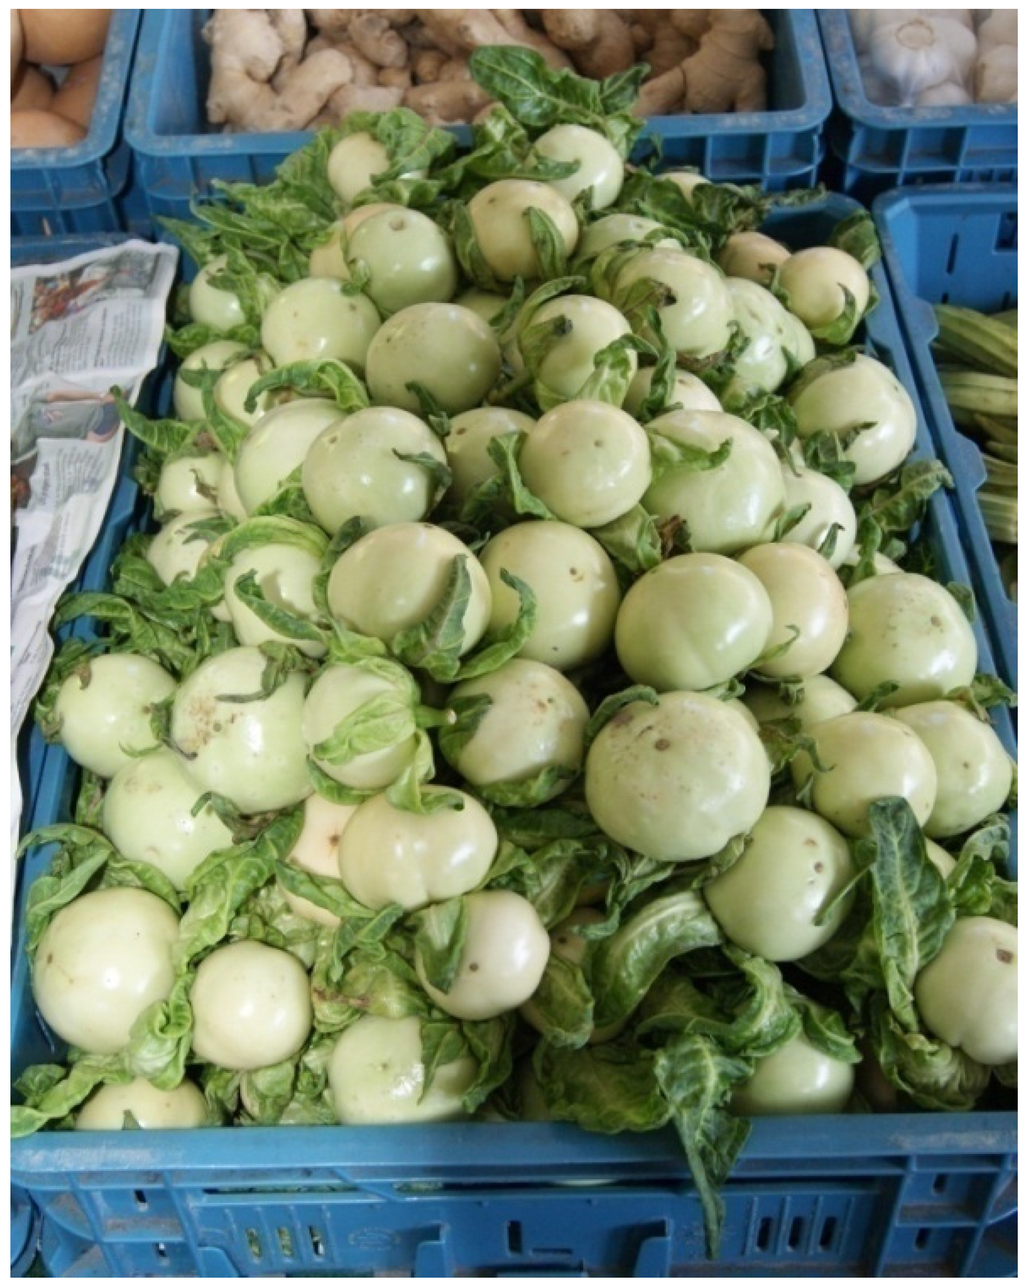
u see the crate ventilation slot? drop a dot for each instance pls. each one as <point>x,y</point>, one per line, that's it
<point>1006,236</point>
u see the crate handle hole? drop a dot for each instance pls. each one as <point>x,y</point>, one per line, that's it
<point>954,246</point>
<point>316,1241</point>
<point>514,1234</point>
<point>827,1237</point>
<point>141,1199</point>
<point>764,1234</point>
<point>284,1239</point>
<point>939,1183</point>
<point>252,1238</point>
<point>921,1238</point>
<point>796,1233</point>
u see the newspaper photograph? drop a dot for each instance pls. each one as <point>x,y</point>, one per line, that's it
<point>78,329</point>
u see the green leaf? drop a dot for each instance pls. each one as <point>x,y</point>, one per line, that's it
<point>504,451</point>
<point>548,244</point>
<point>608,1088</point>
<point>562,1007</point>
<point>697,1080</point>
<point>67,880</point>
<point>508,642</point>
<point>436,643</point>
<point>633,541</point>
<point>286,625</point>
<point>858,236</point>
<point>223,881</point>
<point>898,505</point>
<point>840,330</point>
<point>131,630</point>
<point>436,418</point>
<point>532,791</point>
<point>161,1036</point>
<point>467,250</point>
<point>440,937</point>
<point>122,872</point>
<point>381,721</point>
<point>491,1045</point>
<point>826,1030</point>
<point>912,910</point>
<point>614,369</point>
<point>323,891</point>
<point>624,966</point>
<point>539,96</point>
<point>49,1099</point>
<point>668,455</point>
<point>316,377</point>
<point>933,1074</point>
<point>611,706</point>
<point>163,437</point>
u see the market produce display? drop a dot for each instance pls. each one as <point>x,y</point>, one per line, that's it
<point>271,69</point>
<point>534,702</point>
<point>936,57</point>
<point>56,58</point>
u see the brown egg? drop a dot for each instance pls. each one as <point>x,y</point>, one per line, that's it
<point>60,36</point>
<point>77,93</point>
<point>32,88</point>
<point>35,128</point>
<point>17,41</point>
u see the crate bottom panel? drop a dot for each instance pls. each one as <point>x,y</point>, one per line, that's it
<point>24,1232</point>
<point>929,1221</point>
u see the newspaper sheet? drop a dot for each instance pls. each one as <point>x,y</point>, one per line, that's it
<point>78,329</point>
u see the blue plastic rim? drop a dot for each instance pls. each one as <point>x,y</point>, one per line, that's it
<point>885,147</point>
<point>79,189</point>
<point>956,244</point>
<point>822,1196</point>
<point>177,153</point>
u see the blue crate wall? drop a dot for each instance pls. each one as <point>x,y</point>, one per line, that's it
<point>822,1196</point>
<point>538,1200</point>
<point>177,153</point>
<point>876,148</point>
<point>956,244</point>
<point>85,188</point>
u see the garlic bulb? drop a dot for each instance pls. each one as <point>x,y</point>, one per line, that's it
<point>995,75</point>
<point>948,94</point>
<point>922,52</point>
<point>877,90</point>
<point>999,28</point>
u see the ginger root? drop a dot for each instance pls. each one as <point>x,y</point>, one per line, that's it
<point>598,39</point>
<point>725,74</point>
<point>376,39</point>
<point>459,31</point>
<point>283,69</point>
<point>447,102</point>
<point>249,50</point>
<point>672,35</point>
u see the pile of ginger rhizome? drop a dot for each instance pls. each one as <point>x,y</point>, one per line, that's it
<point>291,69</point>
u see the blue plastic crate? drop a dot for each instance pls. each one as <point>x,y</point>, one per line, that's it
<point>956,244</point>
<point>899,1195</point>
<point>177,153</point>
<point>84,188</point>
<point>878,148</point>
